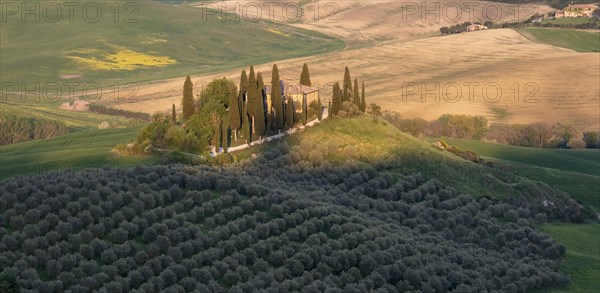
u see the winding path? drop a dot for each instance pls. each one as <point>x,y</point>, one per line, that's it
<point>273,137</point>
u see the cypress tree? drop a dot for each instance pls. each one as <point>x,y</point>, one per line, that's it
<point>356,94</point>
<point>174,115</point>
<point>252,99</point>
<point>259,116</point>
<point>320,110</point>
<point>235,113</point>
<point>329,109</point>
<point>305,76</point>
<point>225,134</point>
<point>246,131</point>
<point>241,102</point>
<point>276,100</point>
<point>269,124</point>
<point>363,102</point>
<point>347,94</point>
<point>304,111</point>
<point>337,99</point>
<point>243,87</point>
<point>216,122</point>
<point>188,99</point>
<point>289,114</point>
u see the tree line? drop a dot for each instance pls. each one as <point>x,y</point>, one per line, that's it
<point>16,129</point>
<point>347,101</point>
<point>558,4</point>
<point>537,135</point>
<point>462,27</point>
<point>101,109</point>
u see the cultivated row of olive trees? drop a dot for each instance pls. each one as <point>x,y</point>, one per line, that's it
<point>272,225</point>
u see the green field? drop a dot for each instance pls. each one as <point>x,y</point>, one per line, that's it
<point>569,20</point>
<point>166,41</point>
<point>580,161</point>
<point>582,260</point>
<point>573,171</point>
<point>566,38</point>
<point>74,120</point>
<point>83,149</point>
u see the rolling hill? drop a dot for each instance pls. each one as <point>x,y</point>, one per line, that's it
<point>576,172</point>
<point>513,70</point>
<point>70,152</point>
<point>75,120</point>
<point>579,161</point>
<point>145,41</point>
<point>580,41</point>
<point>333,166</point>
<point>284,221</point>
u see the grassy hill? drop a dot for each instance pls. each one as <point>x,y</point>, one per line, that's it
<point>362,139</point>
<point>283,222</point>
<point>84,149</point>
<point>74,120</point>
<point>580,161</point>
<point>579,41</point>
<point>317,155</point>
<point>370,141</point>
<point>569,20</point>
<point>365,140</point>
<point>166,41</point>
<point>576,172</point>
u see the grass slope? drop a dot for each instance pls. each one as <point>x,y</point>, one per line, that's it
<point>74,120</point>
<point>568,20</point>
<point>582,261</point>
<point>571,39</point>
<point>573,171</point>
<point>167,41</point>
<point>73,151</point>
<point>371,141</point>
<point>581,161</point>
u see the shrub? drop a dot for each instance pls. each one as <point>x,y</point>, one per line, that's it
<point>576,144</point>
<point>348,110</point>
<point>21,129</point>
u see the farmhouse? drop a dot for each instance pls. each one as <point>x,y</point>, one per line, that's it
<point>559,14</point>
<point>476,27</point>
<point>577,10</point>
<point>295,91</point>
<point>76,106</point>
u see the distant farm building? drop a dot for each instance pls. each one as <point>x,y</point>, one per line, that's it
<point>76,106</point>
<point>559,14</point>
<point>294,91</point>
<point>577,10</point>
<point>476,27</point>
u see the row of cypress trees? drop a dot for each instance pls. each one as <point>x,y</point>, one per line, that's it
<point>249,114</point>
<point>348,93</point>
